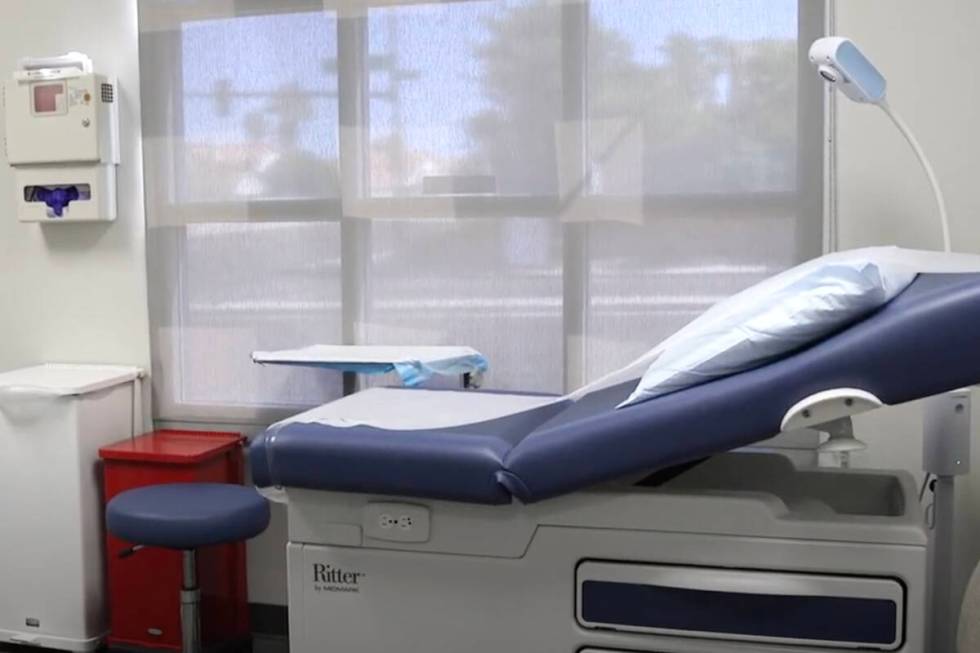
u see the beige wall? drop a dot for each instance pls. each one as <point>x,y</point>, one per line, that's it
<point>76,292</point>
<point>929,52</point>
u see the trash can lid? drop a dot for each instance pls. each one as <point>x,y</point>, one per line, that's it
<point>65,379</point>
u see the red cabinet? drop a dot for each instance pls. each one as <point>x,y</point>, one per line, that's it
<point>144,589</point>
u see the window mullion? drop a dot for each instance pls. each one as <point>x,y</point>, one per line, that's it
<point>812,101</point>
<point>575,17</point>
<point>353,85</point>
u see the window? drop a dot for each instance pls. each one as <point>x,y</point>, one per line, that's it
<point>259,109</point>
<point>559,184</point>
<point>446,105</point>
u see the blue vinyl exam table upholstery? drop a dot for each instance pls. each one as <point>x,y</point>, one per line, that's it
<point>925,342</point>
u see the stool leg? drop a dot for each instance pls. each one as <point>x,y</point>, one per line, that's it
<point>190,600</point>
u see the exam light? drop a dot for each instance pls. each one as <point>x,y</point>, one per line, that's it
<point>842,65</point>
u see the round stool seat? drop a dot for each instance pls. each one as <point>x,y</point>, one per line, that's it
<point>187,515</point>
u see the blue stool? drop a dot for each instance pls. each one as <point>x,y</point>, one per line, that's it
<point>187,516</point>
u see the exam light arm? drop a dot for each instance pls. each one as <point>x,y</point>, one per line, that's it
<point>930,173</point>
<point>846,68</point>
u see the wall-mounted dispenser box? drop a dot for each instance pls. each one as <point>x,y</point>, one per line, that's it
<point>62,139</point>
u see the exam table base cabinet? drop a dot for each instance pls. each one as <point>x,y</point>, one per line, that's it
<point>570,573</point>
<point>144,588</point>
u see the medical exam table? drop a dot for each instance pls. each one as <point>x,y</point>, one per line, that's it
<point>545,524</point>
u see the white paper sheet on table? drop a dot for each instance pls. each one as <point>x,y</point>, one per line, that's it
<point>400,409</point>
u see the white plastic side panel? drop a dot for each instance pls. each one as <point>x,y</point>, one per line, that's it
<point>51,511</point>
<point>946,433</point>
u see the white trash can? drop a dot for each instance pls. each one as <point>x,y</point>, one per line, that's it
<point>53,419</point>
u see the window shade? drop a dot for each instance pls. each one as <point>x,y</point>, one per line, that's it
<point>558,184</point>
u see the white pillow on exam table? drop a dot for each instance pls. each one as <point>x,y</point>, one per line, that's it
<point>786,312</point>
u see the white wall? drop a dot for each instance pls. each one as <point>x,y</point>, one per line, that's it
<point>928,51</point>
<point>76,293</point>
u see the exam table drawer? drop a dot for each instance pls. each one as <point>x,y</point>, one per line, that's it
<point>743,605</point>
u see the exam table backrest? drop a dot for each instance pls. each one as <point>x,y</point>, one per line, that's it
<point>925,342</point>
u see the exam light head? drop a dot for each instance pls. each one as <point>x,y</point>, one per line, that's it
<point>842,65</point>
